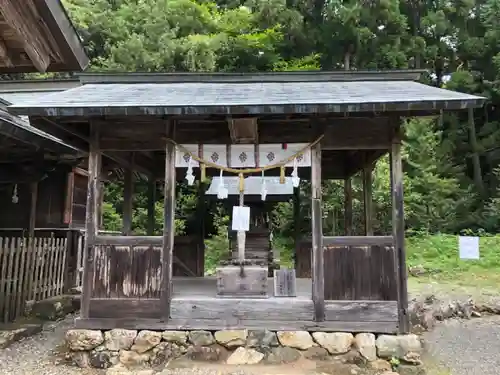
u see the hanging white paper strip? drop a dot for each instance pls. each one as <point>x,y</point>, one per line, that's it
<point>263,193</point>
<point>189,173</point>
<point>216,154</point>
<point>242,156</point>
<point>222,191</point>
<point>241,218</point>
<point>182,159</point>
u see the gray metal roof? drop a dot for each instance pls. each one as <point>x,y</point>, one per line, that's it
<point>19,127</point>
<point>246,98</point>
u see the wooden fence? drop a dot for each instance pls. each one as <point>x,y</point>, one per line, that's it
<point>30,270</point>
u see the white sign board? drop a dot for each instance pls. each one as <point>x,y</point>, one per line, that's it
<point>468,247</point>
<point>241,218</point>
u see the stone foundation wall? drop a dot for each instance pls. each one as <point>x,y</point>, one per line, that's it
<point>122,350</point>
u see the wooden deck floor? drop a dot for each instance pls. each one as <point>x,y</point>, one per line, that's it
<point>194,305</point>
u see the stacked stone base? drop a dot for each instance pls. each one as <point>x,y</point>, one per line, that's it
<point>121,350</point>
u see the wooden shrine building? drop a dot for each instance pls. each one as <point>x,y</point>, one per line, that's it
<point>191,125</point>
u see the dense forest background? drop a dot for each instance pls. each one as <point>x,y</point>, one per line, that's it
<point>451,175</point>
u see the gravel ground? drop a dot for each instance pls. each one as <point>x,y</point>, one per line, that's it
<point>466,347</point>
<point>35,355</point>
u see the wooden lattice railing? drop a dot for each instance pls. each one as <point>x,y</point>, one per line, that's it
<point>30,270</point>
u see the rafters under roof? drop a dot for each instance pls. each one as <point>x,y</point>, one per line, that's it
<point>38,36</point>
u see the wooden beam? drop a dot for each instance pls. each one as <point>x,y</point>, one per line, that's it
<point>91,228</point>
<point>169,225</point>
<point>318,278</point>
<point>151,206</point>
<point>398,228</point>
<point>128,199</point>
<point>129,240</point>
<point>243,130</point>
<point>4,55</point>
<point>348,206</point>
<point>368,199</point>
<point>74,138</point>
<point>25,21</point>
<point>358,241</point>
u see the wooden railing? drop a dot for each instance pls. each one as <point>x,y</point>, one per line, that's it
<point>30,270</point>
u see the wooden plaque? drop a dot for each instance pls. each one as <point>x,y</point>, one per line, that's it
<point>251,283</point>
<point>285,283</point>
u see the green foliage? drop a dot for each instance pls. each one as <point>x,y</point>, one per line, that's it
<point>439,253</point>
<point>449,178</point>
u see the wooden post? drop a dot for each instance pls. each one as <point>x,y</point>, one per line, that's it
<point>398,228</point>
<point>296,222</point>
<point>368,199</point>
<point>348,206</point>
<point>151,206</point>
<point>318,280</point>
<point>241,234</point>
<point>34,202</point>
<point>91,219</point>
<point>168,230</point>
<point>128,200</point>
<point>201,213</point>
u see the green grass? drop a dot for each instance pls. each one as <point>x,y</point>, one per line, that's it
<point>439,253</point>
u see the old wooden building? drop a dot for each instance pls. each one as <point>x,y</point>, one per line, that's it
<point>188,126</point>
<point>39,175</point>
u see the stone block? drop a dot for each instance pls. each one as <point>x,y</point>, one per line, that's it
<point>83,339</point>
<point>146,340</point>
<point>295,339</point>
<point>335,343</point>
<point>231,338</point>
<point>245,356</point>
<point>247,281</point>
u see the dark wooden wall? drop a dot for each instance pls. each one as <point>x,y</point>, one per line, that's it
<point>303,259</point>
<point>15,215</point>
<point>360,273</point>
<point>131,272</point>
<point>352,272</point>
<point>79,200</point>
<point>51,200</point>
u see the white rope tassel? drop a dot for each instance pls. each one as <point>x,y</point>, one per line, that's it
<point>15,197</point>
<point>222,191</point>
<point>295,173</point>
<point>263,191</point>
<point>189,173</point>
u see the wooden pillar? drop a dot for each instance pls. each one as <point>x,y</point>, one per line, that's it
<point>201,213</point>
<point>168,230</point>
<point>91,219</point>
<point>151,206</point>
<point>34,202</point>
<point>318,280</point>
<point>296,224</point>
<point>368,199</point>
<point>128,200</point>
<point>398,228</point>
<point>348,206</point>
